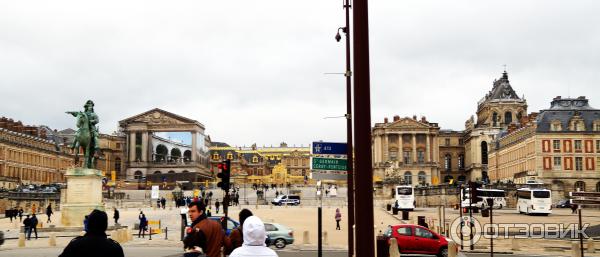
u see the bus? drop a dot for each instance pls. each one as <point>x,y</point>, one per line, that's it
<point>534,201</point>
<point>480,202</point>
<point>405,197</point>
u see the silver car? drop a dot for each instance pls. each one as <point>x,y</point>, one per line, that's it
<point>279,235</point>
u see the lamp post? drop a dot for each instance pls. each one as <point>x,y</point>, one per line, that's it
<point>350,169</point>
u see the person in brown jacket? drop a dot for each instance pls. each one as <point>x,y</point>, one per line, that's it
<point>209,231</point>
<point>236,236</point>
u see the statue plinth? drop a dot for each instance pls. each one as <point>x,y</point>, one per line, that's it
<point>84,194</point>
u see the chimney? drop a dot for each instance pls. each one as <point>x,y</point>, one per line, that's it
<point>414,117</point>
<point>423,119</point>
<point>396,118</point>
<point>385,120</point>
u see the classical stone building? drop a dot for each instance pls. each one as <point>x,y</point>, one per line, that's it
<point>256,164</point>
<point>406,150</point>
<point>495,112</point>
<point>31,155</point>
<point>112,158</point>
<point>451,156</point>
<point>560,146</point>
<point>157,159</point>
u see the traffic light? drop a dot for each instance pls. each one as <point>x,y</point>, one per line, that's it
<point>224,175</point>
<point>473,186</point>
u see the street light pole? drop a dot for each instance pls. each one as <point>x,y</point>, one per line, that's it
<point>350,167</point>
<point>362,125</point>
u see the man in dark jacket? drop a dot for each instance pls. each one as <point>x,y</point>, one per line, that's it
<point>33,222</point>
<point>27,225</point>
<point>116,216</point>
<point>209,232</point>
<point>94,243</point>
<point>49,212</point>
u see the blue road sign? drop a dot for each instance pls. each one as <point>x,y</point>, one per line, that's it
<point>329,148</point>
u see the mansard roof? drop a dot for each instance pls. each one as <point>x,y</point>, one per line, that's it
<point>563,110</point>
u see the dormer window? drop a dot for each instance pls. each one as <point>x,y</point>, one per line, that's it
<point>577,125</point>
<point>255,159</point>
<point>229,156</point>
<point>216,156</point>
<point>597,125</point>
<point>555,126</point>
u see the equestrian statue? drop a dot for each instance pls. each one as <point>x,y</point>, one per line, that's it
<point>86,137</point>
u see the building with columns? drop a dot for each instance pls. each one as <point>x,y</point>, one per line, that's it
<point>406,151</point>
<point>159,159</point>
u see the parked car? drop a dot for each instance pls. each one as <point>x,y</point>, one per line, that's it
<point>415,239</point>
<point>564,203</point>
<point>231,223</point>
<point>287,200</point>
<point>279,235</point>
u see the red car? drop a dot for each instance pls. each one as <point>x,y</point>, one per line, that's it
<point>415,239</point>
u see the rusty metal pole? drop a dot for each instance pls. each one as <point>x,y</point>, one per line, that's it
<point>350,153</point>
<point>362,128</point>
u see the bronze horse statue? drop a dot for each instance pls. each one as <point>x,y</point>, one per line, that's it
<point>86,137</point>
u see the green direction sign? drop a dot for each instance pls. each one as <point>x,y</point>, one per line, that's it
<point>328,164</point>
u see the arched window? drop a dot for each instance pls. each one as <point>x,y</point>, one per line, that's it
<point>185,171</point>
<point>519,116</point>
<point>484,152</point>
<point>175,154</point>
<point>229,156</point>
<point>461,161</point>
<point>255,159</point>
<point>422,177</point>
<point>161,152</point>
<point>448,162</point>
<point>216,156</point>
<point>598,187</point>
<point>579,186</point>
<point>507,118</point>
<point>137,174</point>
<point>171,172</point>
<point>187,155</point>
<point>408,178</point>
<point>495,119</point>
<point>462,178</point>
<point>157,172</point>
<point>117,164</point>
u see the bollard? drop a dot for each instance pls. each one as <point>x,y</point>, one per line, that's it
<point>575,250</point>
<point>325,241</point>
<point>123,235</point>
<point>305,238</point>
<point>52,239</point>
<point>591,248</point>
<point>271,206</point>
<point>21,239</point>
<point>113,236</point>
<point>394,251</point>
<point>129,235</point>
<point>515,244</point>
<point>452,249</point>
<point>166,233</point>
<point>150,233</point>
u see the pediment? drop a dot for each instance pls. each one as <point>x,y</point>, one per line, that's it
<point>158,117</point>
<point>408,123</point>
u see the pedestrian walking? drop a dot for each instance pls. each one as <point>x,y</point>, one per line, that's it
<point>33,209</point>
<point>116,216</point>
<point>573,208</point>
<point>338,218</point>
<point>163,202</point>
<point>254,240</point>
<point>33,223</point>
<point>217,204</point>
<point>211,230</point>
<point>27,225</point>
<point>237,236</point>
<point>20,214</point>
<point>143,226</point>
<point>49,212</point>
<point>95,242</point>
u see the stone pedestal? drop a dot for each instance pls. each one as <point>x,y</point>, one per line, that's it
<point>83,195</point>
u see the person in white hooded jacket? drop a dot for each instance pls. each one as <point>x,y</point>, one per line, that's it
<point>254,240</point>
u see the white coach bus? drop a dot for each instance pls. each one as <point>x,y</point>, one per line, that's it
<point>405,197</point>
<point>534,201</point>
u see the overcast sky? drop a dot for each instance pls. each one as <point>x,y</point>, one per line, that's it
<point>253,71</point>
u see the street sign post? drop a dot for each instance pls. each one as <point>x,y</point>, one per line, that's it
<point>583,198</point>
<point>328,148</point>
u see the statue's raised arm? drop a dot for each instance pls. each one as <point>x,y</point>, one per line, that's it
<point>73,113</point>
